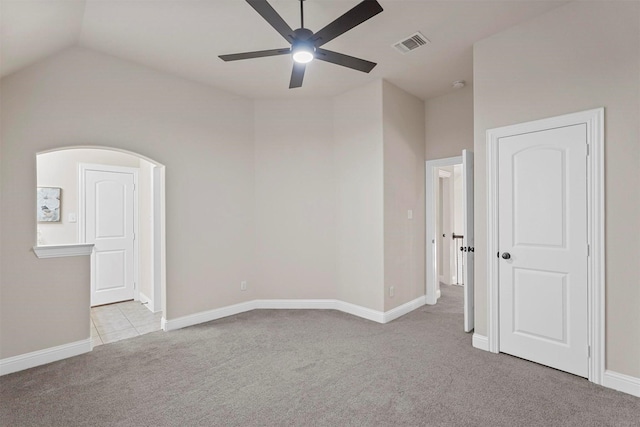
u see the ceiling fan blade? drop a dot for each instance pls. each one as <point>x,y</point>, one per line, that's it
<point>256,54</point>
<point>344,60</point>
<point>271,16</point>
<point>297,75</point>
<point>356,16</point>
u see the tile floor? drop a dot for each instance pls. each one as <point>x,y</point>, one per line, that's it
<point>115,322</point>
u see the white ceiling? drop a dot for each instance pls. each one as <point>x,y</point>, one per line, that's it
<point>184,37</point>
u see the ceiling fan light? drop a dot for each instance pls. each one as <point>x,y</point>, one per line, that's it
<point>303,53</point>
<point>303,57</point>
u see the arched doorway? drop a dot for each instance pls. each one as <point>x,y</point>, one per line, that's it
<point>65,170</point>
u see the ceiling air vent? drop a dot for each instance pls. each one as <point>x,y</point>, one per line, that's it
<point>412,42</point>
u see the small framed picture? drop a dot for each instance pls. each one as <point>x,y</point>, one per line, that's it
<point>48,204</point>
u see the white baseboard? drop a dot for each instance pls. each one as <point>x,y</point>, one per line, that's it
<point>480,342</point>
<point>292,304</point>
<point>42,357</point>
<point>621,382</point>
<point>404,309</point>
<point>295,304</point>
<point>360,311</point>
<point>205,316</point>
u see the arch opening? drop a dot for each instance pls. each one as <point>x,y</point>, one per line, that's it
<point>68,169</point>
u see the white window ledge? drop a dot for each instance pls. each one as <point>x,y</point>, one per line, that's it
<point>57,251</point>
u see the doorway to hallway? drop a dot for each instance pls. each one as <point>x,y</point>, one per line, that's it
<point>449,216</point>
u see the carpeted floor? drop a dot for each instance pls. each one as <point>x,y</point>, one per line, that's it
<point>451,300</point>
<point>308,368</point>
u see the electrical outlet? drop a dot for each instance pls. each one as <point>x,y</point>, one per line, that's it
<point>392,291</point>
<point>243,285</point>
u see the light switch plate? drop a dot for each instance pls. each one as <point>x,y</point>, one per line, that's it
<point>72,217</point>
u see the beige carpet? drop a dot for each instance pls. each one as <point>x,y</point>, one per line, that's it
<point>308,368</point>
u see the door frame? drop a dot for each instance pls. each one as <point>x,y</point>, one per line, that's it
<point>431,285</point>
<point>594,119</point>
<point>82,232</point>
<point>432,293</point>
<point>439,208</point>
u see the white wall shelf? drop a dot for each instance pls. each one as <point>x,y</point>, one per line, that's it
<point>58,251</point>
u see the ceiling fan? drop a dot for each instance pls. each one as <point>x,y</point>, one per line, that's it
<point>305,44</point>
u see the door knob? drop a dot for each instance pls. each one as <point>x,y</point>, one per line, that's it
<point>506,255</point>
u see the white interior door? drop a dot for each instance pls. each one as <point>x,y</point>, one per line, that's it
<point>542,215</point>
<point>468,242</point>
<point>109,197</point>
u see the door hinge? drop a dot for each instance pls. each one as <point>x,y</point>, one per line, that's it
<point>134,236</point>
<point>134,285</point>
<point>589,351</point>
<point>588,250</point>
<point>588,149</point>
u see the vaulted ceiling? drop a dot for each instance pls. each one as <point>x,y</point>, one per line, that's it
<point>185,37</point>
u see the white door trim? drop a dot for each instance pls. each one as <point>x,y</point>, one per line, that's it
<point>82,232</point>
<point>594,119</point>
<point>468,241</point>
<point>430,214</point>
<point>159,264</point>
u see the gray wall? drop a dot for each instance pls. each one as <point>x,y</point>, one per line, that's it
<point>449,124</point>
<point>359,170</point>
<point>295,199</point>
<point>404,181</point>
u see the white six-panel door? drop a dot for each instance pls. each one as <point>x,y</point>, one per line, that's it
<point>542,215</point>
<point>109,218</point>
